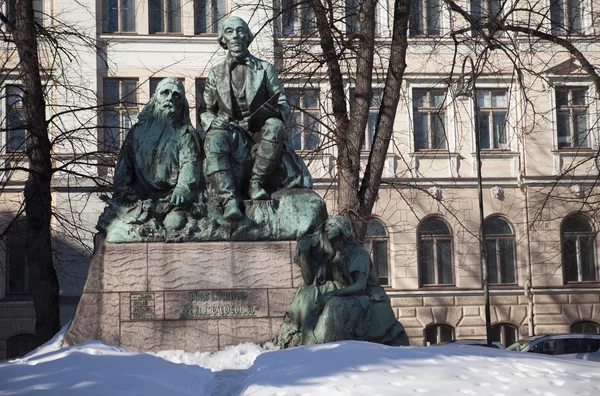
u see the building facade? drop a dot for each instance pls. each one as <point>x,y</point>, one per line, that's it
<point>536,126</point>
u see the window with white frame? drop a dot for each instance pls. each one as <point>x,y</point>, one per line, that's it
<point>429,119</point>
<point>38,10</point>
<point>352,11</point>
<point>500,244</point>
<point>372,119</point>
<point>304,127</point>
<point>120,111</point>
<point>297,18</point>
<point>165,16</point>
<point>435,252</point>
<point>15,118</point>
<point>118,16</point>
<point>566,17</point>
<point>425,18</point>
<point>435,334</point>
<point>209,15</point>
<point>491,112</point>
<point>578,249</point>
<point>571,117</point>
<point>486,12</point>
<point>376,243</point>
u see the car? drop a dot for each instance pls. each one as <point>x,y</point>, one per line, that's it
<point>583,346</point>
<point>472,342</point>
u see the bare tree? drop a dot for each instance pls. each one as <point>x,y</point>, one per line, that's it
<point>54,139</point>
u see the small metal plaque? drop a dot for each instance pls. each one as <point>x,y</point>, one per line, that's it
<point>142,306</point>
<point>216,304</point>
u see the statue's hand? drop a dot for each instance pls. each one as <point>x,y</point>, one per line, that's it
<point>323,298</point>
<point>179,197</point>
<point>221,122</point>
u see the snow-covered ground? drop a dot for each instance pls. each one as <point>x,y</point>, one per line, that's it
<point>343,368</point>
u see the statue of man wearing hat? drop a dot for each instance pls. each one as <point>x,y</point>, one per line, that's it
<point>246,112</point>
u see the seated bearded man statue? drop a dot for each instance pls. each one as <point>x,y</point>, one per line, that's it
<point>246,111</point>
<point>159,165</point>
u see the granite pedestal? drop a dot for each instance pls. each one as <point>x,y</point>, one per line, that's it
<point>195,296</point>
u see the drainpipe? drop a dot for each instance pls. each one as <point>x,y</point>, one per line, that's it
<point>528,285</point>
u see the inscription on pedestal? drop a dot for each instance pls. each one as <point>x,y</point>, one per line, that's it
<point>142,306</point>
<point>214,304</point>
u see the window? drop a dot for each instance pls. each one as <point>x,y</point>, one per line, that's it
<point>571,117</point>
<point>20,345</point>
<point>120,100</point>
<point>304,128</point>
<point>38,11</point>
<point>504,333</point>
<point>438,333</point>
<point>119,16</point>
<point>435,252</point>
<point>549,347</point>
<point>17,277</point>
<point>585,327</point>
<point>165,16</point>
<point>352,12</point>
<point>429,119</point>
<point>15,119</point>
<point>373,114</point>
<point>376,243</point>
<point>492,108</point>
<point>566,17</point>
<point>200,103</point>
<point>297,18</point>
<point>500,243</point>
<point>578,256</point>
<point>486,12</point>
<point>208,16</point>
<point>425,18</point>
<point>353,8</point>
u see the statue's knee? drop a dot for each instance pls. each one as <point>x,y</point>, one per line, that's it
<point>217,141</point>
<point>274,130</point>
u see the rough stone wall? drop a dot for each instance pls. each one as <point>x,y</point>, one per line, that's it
<point>553,313</point>
<point>164,274</point>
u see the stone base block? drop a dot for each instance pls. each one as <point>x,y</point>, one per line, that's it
<point>193,296</point>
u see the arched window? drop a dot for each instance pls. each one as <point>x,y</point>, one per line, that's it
<point>504,333</point>
<point>500,243</point>
<point>585,327</point>
<point>578,256</point>
<point>17,277</point>
<point>20,345</point>
<point>376,243</point>
<point>435,252</point>
<point>438,333</point>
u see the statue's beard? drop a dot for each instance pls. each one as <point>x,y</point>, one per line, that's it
<point>166,113</point>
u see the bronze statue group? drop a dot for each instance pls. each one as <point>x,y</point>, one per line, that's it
<point>171,178</point>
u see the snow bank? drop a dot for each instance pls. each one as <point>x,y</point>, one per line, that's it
<point>344,368</point>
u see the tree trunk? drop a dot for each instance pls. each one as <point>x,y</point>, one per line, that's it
<point>387,112</point>
<point>38,211</point>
